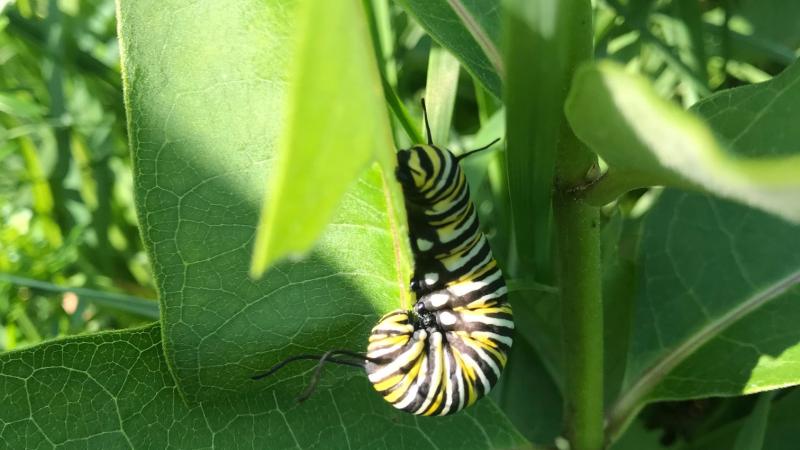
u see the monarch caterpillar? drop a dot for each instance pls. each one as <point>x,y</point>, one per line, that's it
<point>451,347</point>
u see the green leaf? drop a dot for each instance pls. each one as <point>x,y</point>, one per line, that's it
<point>469,29</point>
<point>746,151</point>
<point>751,436</point>
<point>336,123</point>
<point>113,390</point>
<point>717,306</point>
<point>205,87</point>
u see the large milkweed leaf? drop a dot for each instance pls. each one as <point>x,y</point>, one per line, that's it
<point>745,149</point>
<point>205,84</point>
<point>717,307</point>
<point>113,390</point>
<point>469,29</point>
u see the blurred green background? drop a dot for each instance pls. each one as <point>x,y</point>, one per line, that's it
<point>66,204</point>
<point>66,200</point>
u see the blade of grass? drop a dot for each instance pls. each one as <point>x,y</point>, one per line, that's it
<point>121,302</point>
<point>440,92</point>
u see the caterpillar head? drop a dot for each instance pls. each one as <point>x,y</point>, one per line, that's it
<point>419,166</point>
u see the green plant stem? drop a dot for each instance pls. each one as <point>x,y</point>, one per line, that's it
<point>577,225</point>
<point>579,273</point>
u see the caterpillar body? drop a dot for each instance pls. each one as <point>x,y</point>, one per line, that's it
<point>449,350</point>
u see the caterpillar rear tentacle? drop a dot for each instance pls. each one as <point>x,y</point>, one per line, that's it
<point>450,349</point>
<point>328,357</point>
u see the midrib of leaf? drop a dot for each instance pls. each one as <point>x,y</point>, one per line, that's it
<point>629,403</point>
<point>480,36</point>
<point>396,235</point>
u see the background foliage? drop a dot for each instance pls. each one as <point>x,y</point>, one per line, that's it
<point>700,289</point>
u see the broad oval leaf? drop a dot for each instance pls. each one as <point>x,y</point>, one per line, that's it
<point>748,153</point>
<point>718,304</point>
<point>469,29</point>
<point>113,390</point>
